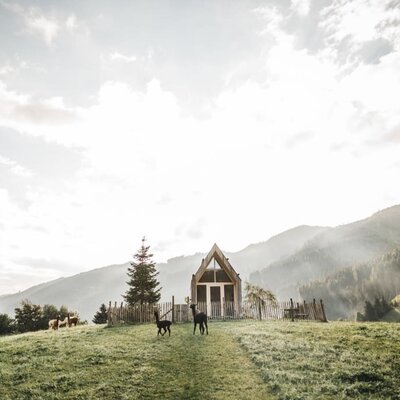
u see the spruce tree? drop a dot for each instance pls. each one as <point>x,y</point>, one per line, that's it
<point>143,279</point>
<point>101,316</point>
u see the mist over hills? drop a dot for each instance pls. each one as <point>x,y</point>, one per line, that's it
<point>346,291</point>
<point>85,292</point>
<point>175,275</point>
<point>332,250</point>
<point>305,257</point>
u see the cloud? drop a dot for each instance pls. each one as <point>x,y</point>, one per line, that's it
<point>45,27</point>
<point>32,156</point>
<point>394,135</point>
<point>43,265</point>
<point>15,167</point>
<point>29,165</point>
<point>299,138</point>
<point>193,230</point>
<point>301,6</point>
<point>35,21</point>
<point>259,154</point>
<point>121,57</point>
<point>6,69</point>
<point>359,22</point>
<point>71,22</point>
<point>27,272</point>
<point>22,108</point>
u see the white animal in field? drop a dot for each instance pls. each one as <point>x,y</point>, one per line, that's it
<point>64,322</point>
<point>54,323</point>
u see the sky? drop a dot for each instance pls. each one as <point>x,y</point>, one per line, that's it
<point>190,123</point>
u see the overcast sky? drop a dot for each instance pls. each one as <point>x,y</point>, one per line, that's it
<point>190,122</point>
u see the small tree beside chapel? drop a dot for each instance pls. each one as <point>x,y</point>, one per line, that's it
<point>258,296</point>
<point>143,283</point>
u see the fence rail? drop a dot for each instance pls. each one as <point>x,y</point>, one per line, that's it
<point>286,310</point>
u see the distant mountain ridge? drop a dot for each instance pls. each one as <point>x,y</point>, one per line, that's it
<point>332,250</point>
<point>85,292</point>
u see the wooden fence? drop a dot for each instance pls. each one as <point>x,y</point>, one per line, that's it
<point>289,310</point>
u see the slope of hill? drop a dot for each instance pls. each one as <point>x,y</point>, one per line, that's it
<point>331,250</point>
<point>245,360</point>
<point>83,292</point>
<point>346,291</point>
<point>86,291</point>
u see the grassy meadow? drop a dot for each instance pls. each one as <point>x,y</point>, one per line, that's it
<point>237,360</point>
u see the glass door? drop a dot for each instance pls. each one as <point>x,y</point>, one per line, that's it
<point>215,297</point>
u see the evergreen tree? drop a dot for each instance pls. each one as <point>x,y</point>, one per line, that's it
<point>376,311</point>
<point>370,312</point>
<point>101,316</point>
<point>143,279</point>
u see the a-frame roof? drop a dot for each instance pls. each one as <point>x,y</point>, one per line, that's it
<point>216,253</point>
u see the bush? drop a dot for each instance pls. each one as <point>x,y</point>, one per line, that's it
<point>32,317</point>
<point>6,324</point>
<point>29,317</point>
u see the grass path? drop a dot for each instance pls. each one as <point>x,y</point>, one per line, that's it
<point>127,363</point>
<point>207,367</point>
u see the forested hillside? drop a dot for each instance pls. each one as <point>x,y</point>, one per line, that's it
<point>346,291</point>
<point>332,250</point>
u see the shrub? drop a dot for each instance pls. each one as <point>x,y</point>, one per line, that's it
<point>101,316</point>
<point>6,324</point>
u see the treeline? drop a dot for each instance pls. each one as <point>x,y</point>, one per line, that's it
<point>31,317</point>
<point>375,311</point>
<point>346,292</point>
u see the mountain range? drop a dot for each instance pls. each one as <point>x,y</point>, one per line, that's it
<point>332,250</point>
<point>285,263</point>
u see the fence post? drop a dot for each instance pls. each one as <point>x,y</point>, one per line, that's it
<point>291,310</point>
<point>323,312</point>
<point>109,322</point>
<point>315,310</point>
<point>173,309</point>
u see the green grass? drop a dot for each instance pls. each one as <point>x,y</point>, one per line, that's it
<point>238,360</point>
<point>127,363</point>
<point>325,361</point>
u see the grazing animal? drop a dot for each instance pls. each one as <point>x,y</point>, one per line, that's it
<point>64,322</point>
<point>72,320</point>
<point>164,324</point>
<point>54,323</point>
<point>199,318</point>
